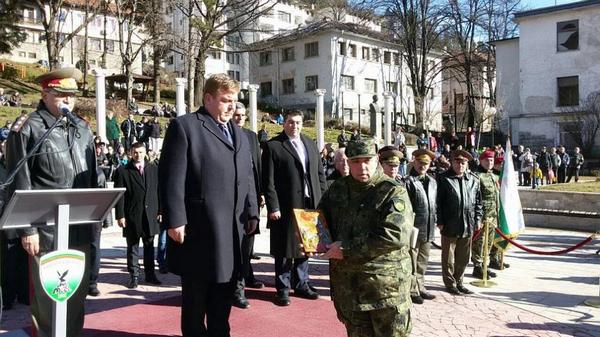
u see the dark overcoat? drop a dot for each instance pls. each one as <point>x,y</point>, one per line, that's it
<point>140,201</point>
<point>256,165</point>
<point>207,184</point>
<point>283,187</point>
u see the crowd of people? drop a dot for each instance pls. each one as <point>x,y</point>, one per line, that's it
<point>14,100</point>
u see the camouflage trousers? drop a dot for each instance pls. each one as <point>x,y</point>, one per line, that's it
<point>477,252</point>
<point>385,322</point>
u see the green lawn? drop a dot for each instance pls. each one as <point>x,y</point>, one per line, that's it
<point>585,184</point>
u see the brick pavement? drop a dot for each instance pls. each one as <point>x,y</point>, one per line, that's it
<point>537,296</point>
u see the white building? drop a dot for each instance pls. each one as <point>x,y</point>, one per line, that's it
<point>283,16</point>
<point>72,15</point>
<point>545,73</point>
<point>352,63</point>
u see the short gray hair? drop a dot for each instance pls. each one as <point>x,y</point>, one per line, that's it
<point>339,154</point>
<point>239,106</point>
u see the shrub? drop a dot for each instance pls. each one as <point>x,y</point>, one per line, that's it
<point>10,73</point>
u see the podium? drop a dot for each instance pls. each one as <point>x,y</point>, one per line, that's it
<point>61,208</point>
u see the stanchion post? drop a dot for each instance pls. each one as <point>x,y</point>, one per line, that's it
<point>485,283</point>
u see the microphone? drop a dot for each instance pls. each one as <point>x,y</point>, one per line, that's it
<point>66,111</point>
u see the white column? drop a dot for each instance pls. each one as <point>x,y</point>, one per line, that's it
<point>387,106</point>
<point>377,135</point>
<point>320,118</point>
<point>252,109</point>
<point>179,95</point>
<point>100,103</point>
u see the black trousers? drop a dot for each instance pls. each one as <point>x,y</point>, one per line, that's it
<point>246,274</point>
<point>202,300</point>
<point>573,171</point>
<point>562,174</point>
<point>291,273</point>
<point>133,246</point>
<point>15,272</point>
<point>95,255</point>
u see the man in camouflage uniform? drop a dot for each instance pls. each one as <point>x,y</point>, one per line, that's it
<point>370,218</point>
<point>490,199</point>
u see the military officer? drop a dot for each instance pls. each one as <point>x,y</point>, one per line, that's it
<point>490,197</point>
<point>422,190</point>
<point>390,157</point>
<point>370,264</point>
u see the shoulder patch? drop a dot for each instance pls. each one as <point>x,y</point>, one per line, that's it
<point>398,204</point>
<point>18,124</point>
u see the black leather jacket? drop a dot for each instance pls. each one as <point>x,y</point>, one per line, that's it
<point>459,207</point>
<point>66,159</point>
<point>423,204</point>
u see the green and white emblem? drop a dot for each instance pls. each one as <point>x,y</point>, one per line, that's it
<point>61,273</point>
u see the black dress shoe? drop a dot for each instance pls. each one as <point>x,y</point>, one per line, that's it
<point>255,284</point>
<point>416,299</point>
<point>93,291</point>
<point>306,293</point>
<point>133,282</point>
<point>241,302</point>
<point>427,296</point>
<point>496,265</point>
<point>152,279</point>
<point>454,291</point>
<point>163,270</point>
<point>283,299</point>
<point>478,273</point>
<point>463,290</point>
<point>255,257</point>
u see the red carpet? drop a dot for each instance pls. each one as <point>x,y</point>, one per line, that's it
<point>303,318</point>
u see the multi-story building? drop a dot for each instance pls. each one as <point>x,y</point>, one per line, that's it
<point>72,16</point>
<point>281,16</point>
<point>350,61</point>
<point>546,74</point>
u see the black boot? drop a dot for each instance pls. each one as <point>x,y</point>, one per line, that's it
<point>133,282</point>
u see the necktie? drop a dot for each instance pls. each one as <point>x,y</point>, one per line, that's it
<point>226,133</point>
<point>140,169</point>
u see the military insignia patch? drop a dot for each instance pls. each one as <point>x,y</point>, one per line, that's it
<point>18,124</point>
<point>398,205</point>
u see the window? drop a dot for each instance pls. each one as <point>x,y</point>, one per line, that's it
<point>22,54</point>
<point>32,55</point>
<point>266,89</point>
<point>284,16</point>
<point>568,91</point>
<point>387,57</point>
<point>93,62</point>
<point>266,28</point>
<point>348,112</point>
<point>376,54</point>
<point>233,75</point>
<point>342,48</point>
<point>458,99</point>
<point>312,83</point>
<point>366,53</point>
<point>311,49</point>
<point>392,87</point>
<point>95,44</point>
<point>110,46</point>
<point>170,60</point>
<point>370,85</point>
<point>288,54</point>
<point>352,50</point>
<point>233,58</point>
<point>348,82</point>
<point>265,58</point>
<point>215,54</point>
<point>567,35</point>
<point>288,86</point>
<point>397,58</point>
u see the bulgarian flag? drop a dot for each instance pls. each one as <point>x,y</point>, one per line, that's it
<point>510,219</point>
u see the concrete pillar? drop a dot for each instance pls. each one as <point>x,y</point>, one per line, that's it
<point>320,118</point>
<point>377,134</point>
<point>252,109</point>
<point>180,95</point>
<point>100,103</point>
<point>387,106</point>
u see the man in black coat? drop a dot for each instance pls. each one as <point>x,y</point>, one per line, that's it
<point>246,277</point>
<point>208,200</point>
<point>138,212</point>
<point>292,178</point>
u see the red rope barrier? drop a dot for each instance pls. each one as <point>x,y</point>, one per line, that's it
<point>539,252</point>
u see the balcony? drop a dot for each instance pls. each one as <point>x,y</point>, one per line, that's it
<point>34,21</point>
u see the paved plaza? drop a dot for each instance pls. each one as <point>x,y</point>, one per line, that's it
<point>538,295</point>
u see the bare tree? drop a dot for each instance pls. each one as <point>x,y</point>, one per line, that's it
<point>583,122</point>
<point>159,33</point>
<point>186,46</point>
<point>11,35</point>
<point>54,17</point>
<point>416,28</point>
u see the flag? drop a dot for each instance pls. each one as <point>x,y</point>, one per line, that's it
<point>510,219</point>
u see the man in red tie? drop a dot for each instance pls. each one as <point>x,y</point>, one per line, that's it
<point>138,212</point>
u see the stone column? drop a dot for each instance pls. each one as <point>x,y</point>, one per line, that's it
<point>100,103</point>
<point>387,106</point>
<point>320,118</point>
<point>179,95</point>
<point>252,109</point>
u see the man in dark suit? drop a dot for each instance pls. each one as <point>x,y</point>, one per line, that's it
<point>138,212</point>
<point>246,277</point>
<point>292,178</point>
<point>208,198</point>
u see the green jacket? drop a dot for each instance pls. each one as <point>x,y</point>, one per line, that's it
<point>489,183</point>
<point>112,129</point>
<point>373,221</point>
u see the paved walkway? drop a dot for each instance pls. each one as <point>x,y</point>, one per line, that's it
<point>537,296</point>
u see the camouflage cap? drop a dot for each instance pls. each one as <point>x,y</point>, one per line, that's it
<point>361,148</point>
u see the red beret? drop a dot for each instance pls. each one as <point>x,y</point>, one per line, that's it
<point>487,154</point>
<point>498,160</point>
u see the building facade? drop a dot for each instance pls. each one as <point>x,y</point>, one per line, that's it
<point>546,74</point>
<point>351,62</point>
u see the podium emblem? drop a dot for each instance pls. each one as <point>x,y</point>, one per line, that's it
<point>61,272</point>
